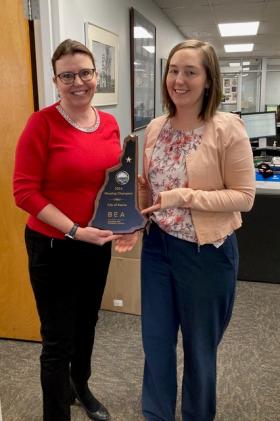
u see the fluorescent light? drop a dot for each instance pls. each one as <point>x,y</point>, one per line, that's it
<point>140,32</point>
<point>246,63</point>
<point>245,74</point>
<point>245,69</point>
<point>149,48</point>
<point>234,64</point>
<point>238,29</point>
<point>236,48</point>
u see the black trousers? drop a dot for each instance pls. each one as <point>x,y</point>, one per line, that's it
<point>68,280</point>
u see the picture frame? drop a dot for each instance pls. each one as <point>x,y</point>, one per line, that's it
<point>229,90</point>
<point>142,70</point>
<point>227,82</point>
<point>104,46</point>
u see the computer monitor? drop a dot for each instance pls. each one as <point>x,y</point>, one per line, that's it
<point>260,125</point>
<point>271,107</point>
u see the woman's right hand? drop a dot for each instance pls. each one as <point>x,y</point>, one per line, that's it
<point>95,235</point>
<point>126,242</point>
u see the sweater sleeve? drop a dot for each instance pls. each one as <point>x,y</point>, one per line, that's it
<point>239,182</point>
<point>30,164</point>
<point>144,193</point>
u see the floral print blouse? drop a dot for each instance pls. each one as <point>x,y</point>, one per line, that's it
<point>168,171</point>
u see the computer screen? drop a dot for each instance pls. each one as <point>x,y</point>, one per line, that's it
<point>271,107</point>
<point>259,125</point>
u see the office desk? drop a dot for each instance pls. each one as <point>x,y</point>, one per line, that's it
<point>268,151</point>
<point>259,240</point>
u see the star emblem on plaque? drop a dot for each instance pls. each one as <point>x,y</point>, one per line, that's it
<point>116,206</point>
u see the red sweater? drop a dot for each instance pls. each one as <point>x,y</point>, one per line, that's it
<point>61,165</point>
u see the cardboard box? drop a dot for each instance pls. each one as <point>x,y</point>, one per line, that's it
<point>122,292</point>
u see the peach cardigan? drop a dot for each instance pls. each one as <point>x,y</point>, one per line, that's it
<point>221,177</point>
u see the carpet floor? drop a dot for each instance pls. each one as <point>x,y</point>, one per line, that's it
<point>248,365</point>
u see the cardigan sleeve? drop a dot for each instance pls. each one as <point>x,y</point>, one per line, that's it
<point>239,181</point>
<point>30,163</point>
<point>144,193</point>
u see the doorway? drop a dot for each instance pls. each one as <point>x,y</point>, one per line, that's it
<point>18,318</point>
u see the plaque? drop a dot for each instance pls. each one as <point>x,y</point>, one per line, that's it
<point>116,206</point>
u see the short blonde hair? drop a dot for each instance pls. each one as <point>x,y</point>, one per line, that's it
<point>213,94</point>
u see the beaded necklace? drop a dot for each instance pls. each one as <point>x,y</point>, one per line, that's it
<point>76,125</point>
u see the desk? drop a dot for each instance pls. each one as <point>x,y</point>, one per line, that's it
<point>270,185</point>
<point>259,245</point>
<point>265,151</point>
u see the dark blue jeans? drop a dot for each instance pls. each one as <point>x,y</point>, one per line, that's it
<point>192,288</point>
<point>68,279</point>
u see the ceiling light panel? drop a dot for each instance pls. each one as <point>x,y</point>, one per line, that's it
<point>238,48</point>
<point>238,29</point>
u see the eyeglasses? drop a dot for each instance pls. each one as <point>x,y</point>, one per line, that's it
<point>68,77</point>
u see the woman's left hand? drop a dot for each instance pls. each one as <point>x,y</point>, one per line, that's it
<point>151,209</point>
<point>126,242</point>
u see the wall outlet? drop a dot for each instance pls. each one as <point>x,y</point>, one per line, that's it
<point>118,303</point>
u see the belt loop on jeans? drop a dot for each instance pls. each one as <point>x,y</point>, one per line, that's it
<point>52,243</point>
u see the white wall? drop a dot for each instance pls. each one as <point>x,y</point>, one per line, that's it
<point>61,19</point>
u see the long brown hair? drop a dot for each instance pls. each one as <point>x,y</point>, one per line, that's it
<point>212,94</point>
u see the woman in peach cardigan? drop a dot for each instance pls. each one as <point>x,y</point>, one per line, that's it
<point>198,176</point>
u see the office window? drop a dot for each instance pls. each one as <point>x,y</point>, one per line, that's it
<point>272,94</point>
<point>251,73</point>
<point>250,94</point>
<point>273,64</point>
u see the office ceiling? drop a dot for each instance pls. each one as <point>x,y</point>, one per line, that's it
<point>199,18</point>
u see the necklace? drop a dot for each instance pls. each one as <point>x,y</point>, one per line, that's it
<point>75,124</point>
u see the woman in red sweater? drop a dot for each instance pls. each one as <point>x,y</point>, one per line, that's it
<point>61,159</point>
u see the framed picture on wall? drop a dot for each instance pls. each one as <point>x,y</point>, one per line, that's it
<point>227,82</point>
<point>229,90</point>
<point>104,46</point>
<point>143,70</point>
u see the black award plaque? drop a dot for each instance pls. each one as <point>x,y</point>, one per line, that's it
<point>116,206</point>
